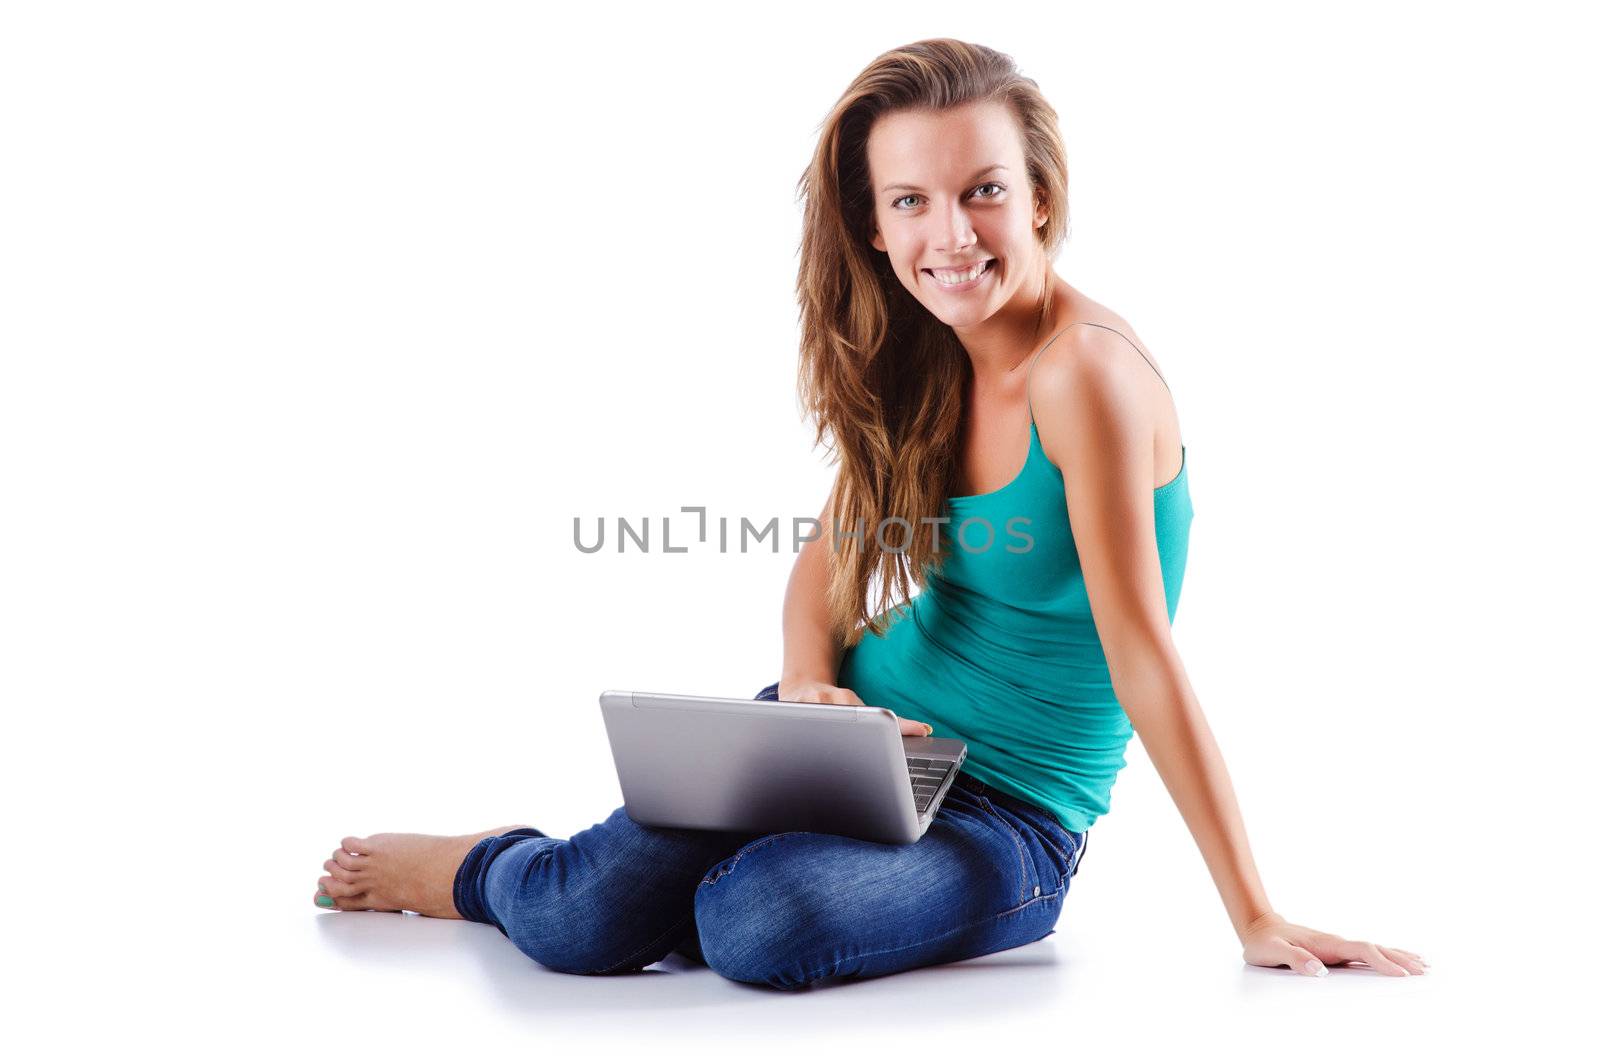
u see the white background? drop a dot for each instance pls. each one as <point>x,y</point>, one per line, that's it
<point>322,321</point>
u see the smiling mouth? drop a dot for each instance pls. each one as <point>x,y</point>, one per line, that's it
<point>964,277</point>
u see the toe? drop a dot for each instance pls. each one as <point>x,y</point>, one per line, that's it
<point>355,844</point>
<point>348,861</point>
<point>339,872</point>
<point>326,901</point>
<point>339,888</point>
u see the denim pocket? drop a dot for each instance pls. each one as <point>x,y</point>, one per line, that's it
<point>1026,857</point>
<point>1047,826</point>
<point>1068,857</point>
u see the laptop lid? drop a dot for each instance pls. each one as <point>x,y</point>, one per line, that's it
<point>745,765</point>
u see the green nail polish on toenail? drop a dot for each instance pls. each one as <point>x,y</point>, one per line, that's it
<point>325,900</point>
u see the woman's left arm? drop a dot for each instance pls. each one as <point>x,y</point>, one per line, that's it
<point>1094,426</point>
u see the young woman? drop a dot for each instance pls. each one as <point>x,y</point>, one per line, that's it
<point>974,400</point>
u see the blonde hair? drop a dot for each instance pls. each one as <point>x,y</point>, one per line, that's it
<point>883,378</point>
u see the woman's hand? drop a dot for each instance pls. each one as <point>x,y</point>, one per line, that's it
<point>1272,942</point>
<point>805,690</point>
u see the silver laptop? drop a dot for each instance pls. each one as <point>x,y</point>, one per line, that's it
<point>752,765</point>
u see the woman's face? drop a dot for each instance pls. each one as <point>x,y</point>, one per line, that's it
<point>950,190</point>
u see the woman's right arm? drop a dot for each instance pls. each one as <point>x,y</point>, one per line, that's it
<point>811,651</point>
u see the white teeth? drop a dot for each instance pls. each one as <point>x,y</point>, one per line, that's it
<point>950,279</point>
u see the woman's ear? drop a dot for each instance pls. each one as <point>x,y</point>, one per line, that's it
<point>1040,215</point>
<point>877,240</point>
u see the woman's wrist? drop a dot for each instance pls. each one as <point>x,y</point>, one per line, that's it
<point>808,675</point>
<point>1255,922</point>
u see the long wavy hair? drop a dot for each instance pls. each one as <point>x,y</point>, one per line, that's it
<point>884,379</point>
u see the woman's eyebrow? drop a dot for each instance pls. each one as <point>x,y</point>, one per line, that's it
<point>975,176</point>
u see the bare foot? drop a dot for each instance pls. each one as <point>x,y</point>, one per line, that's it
<point>396,871</point>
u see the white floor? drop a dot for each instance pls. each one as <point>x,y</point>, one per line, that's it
<point>398,982</point>
<point>228,955</point>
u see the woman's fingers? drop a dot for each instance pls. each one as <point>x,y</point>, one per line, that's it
<point>846,697</point>
<point>1304,961</point>
<point>1368,953</point>
<point>1274,943</point>
<point>913,727</point>
<point>1278,952</point>
<point>1409,961</point>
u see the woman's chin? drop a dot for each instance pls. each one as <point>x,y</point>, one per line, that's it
<point>956,311</point>
<point>963,317</point>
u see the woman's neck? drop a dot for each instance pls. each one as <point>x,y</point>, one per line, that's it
<point>1002,345</point>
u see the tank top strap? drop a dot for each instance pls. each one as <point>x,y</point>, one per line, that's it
<point>1029,377</point>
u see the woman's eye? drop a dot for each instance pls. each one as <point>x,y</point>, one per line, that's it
<point>998,188</point>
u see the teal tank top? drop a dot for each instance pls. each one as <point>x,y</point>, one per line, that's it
<point>999,649</point>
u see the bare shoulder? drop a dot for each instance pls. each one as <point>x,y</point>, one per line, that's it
<point>1091,321</point>
<point>1098,383</point>
<point>1089,381</point>
<point>1096,350</point>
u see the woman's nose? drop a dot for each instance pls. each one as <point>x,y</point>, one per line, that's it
<point>955,231</point>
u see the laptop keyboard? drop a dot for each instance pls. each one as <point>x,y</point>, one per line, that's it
<point>927,775</point>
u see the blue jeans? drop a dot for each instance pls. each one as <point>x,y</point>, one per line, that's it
<point>783,909</point>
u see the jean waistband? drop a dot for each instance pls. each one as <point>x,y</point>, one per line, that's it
<point>989,791</point>
<point>973,784</point>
